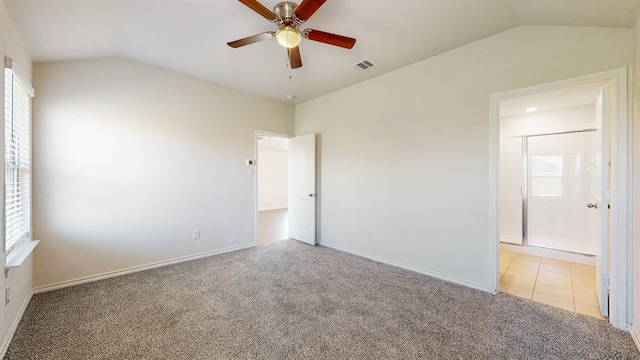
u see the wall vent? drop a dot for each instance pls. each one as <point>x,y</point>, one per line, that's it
<point>362,66</point>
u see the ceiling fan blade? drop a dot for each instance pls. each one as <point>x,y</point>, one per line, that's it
<point>328,38</point>
<point>251,39</point>
<point>260,9</point>
<point>307,8</point>
<point>294,57</point>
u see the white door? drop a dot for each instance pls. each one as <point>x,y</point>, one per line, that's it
<point>601,202</point>
<point>302,188</point>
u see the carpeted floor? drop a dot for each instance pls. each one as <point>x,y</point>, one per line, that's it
<point>288,300</point>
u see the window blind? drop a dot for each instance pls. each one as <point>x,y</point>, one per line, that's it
<point>17,159</point>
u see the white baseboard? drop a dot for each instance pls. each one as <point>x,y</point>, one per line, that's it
<point>269,209</point>
<point>110,274</point>
<point>447,278</point>
<point>635,334</point>
<point>14,326</point>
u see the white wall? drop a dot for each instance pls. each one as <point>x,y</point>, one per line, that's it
<point>406,154</point>
<point>273,182</point>
<point>636,186</point>
<point>130,159</point>
<point>20,279</point>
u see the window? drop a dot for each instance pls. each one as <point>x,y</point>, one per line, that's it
<point>546,176</point>
<point>17,160</point>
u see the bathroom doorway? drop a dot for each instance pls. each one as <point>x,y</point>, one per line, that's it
<point>551,182</point>
<point>610,210</point>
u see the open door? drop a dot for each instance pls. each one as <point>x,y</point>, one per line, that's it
<point>601,204</point>
<point>302,188</point>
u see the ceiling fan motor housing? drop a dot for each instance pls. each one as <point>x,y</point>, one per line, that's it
<point>284,11</point>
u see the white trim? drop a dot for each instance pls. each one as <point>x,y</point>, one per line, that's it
<point>12,330</point>
<point>134,269</point>
<point>494,194</point>
<point>630,203</point>
<point>256,207</point>
<point>22,80</point>
<point>621,205</point>
<point>621,220</point>
<point>379,259</point>
<point>19,253</point>
<point>636,337</point>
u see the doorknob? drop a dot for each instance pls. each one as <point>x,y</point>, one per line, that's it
<point>312,194</point>
<point>590,205</point>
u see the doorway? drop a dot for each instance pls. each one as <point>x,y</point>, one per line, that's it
<point>536,243</point>
<point>550,178</point>
<point>272,183</point>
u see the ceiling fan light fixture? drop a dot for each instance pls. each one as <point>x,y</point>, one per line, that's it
<point>288,37</point>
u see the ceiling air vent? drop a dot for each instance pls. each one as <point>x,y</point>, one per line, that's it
<point>362,66</point>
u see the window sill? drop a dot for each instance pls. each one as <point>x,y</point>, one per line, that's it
<point>19,254</point>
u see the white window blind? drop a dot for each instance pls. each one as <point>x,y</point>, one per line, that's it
<point>17,159</point>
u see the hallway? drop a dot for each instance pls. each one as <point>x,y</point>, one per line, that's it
<point>273,225</point>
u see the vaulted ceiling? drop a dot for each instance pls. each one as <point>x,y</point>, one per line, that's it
<point>190,36</point>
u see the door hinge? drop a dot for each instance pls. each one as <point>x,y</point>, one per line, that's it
<point>606,280</point>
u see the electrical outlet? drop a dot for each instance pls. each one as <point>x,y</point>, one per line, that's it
<point>367,234</point>
<point>7,299</point>
<point>196,234</point>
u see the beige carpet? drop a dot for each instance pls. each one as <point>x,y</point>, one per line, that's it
<point>288,300</point>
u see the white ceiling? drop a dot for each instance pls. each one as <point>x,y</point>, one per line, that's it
<point>190,36</point>
<point>586,94</point>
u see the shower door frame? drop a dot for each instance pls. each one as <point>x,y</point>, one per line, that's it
<point>525,185</point>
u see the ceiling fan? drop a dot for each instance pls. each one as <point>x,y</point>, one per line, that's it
<point>288,16</point>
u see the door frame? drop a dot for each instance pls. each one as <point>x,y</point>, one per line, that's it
<point>620,301</point>
<point>256,208</point>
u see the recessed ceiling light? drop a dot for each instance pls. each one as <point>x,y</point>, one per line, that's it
<point>532,109</point>
<point>290,96</point>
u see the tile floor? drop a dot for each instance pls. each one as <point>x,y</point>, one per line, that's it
<point>562,284</point>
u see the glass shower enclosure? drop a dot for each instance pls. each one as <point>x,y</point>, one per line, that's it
<point>548,188</point>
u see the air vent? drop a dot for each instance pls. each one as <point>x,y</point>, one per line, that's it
<point>362,66</point>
